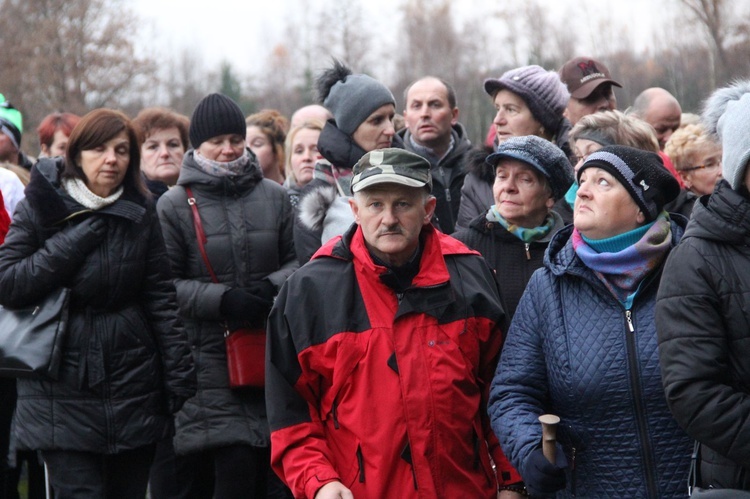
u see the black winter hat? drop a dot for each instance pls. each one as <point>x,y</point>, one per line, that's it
<point>642,173</point>
<point>215,114</point>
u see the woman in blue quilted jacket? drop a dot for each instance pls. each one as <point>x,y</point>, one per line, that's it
<point>582,344</point>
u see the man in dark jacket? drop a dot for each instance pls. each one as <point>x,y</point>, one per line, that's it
<point>433,131</point>
<point>379,391</point>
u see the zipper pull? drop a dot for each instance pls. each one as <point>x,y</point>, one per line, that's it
<point>528,255</point>
<point>629,318</point>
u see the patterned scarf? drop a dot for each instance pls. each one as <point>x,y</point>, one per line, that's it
<point>81,193</point>
<point>339,177</point>
<point>525,234</point>
<point>623,271</point>
<point>239,166</point>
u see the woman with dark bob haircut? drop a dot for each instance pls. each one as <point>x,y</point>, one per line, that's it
<point>87,224</point>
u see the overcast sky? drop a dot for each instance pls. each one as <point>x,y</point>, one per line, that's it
<point>243,32</point>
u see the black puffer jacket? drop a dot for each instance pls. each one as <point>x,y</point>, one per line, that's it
<point>512,260</point>
<point>703,322</point>
<point>476,192</point>
<point>447,177</point>
<point>125,361</point>
<point>248,223</point>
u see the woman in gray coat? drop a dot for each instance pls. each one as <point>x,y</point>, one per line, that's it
<point>223,433</point>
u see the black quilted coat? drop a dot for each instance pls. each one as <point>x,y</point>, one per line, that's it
<point>248,223</point>
<point>703,321</point>
<point>571,352</point>
<point>125,361</point>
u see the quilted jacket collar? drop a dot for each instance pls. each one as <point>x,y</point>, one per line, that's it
<point>561,258</point>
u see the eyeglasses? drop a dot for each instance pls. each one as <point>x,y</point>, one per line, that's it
<point>710,165</point>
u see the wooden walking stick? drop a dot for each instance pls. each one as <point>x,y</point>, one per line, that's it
<point>549,435</point>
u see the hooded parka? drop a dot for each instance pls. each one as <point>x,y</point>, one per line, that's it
<point>703,322</point>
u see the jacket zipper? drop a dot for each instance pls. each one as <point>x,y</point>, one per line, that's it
<point>573,472</point>
<point>528,253</point>
<point>635,381</point>
<point>448,198</point>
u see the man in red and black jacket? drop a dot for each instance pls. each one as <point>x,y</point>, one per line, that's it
<point>381,350</point>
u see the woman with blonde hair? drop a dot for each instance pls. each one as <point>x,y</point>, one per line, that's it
<point>697,158</point>
<point>301,155</point>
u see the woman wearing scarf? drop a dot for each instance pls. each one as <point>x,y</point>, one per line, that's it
<point>530,175</point>
<point>87,223</point>
<point>222,434</point>
<point>582,344</point>
<point>363,110</point>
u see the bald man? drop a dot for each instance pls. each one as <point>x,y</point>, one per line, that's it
<point>660,109</point>
<point>311,112</point>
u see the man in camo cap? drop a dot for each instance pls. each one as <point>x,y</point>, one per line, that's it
<point>378,350</point>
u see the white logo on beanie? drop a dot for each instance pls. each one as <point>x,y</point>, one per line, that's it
<point>644,185</point>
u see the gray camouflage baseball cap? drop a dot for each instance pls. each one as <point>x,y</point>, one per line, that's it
<point>393,166</point>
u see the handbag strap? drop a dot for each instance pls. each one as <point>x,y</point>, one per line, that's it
<point>199,233</point>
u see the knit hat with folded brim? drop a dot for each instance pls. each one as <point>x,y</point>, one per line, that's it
<point>11,121</point>
<point>642,173</point>
<point>541,90</point>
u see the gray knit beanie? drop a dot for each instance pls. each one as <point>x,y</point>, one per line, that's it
<point>215,114</point>
<point>642,173</point>
<point>542,90</point>
<point>354,98</point>
<point>541,154</point>
<point>726,114</point>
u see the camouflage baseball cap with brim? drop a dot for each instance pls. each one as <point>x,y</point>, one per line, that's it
<point>391,166</point>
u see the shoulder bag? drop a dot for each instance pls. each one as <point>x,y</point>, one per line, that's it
<point>31,338</point>
<point>246,348</point>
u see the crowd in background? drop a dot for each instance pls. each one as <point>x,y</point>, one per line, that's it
<point>613,273</point>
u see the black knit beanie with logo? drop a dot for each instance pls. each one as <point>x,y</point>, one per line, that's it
<point>215,114</point>
<point>642,173</point>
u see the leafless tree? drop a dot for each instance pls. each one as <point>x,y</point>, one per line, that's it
<point>69,54</point>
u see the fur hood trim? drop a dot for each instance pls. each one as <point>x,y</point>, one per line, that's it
<point>314,205</point>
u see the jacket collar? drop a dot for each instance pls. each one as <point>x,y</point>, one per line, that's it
<point>433,270</point>
<point>53,205</point>
<point>192,174</point>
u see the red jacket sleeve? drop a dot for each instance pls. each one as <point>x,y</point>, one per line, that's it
<point>4,219</point>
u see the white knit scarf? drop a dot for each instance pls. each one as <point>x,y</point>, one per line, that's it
<point>78,191</point>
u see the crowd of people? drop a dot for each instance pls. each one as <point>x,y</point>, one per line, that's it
<point>424,299</point>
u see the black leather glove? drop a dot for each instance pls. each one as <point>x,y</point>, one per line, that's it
<point>543,478</point>
<point>84,236</point>
<point>240,304</point>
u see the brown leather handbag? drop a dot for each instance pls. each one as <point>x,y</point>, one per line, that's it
<point>246,347</point>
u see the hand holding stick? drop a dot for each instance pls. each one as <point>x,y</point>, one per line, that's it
<point>549,435</point>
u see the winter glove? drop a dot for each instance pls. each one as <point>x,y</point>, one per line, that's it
<point>263,289</point>
<point>543,478</point>
<point>84,236</point>
<point>240,304</point>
